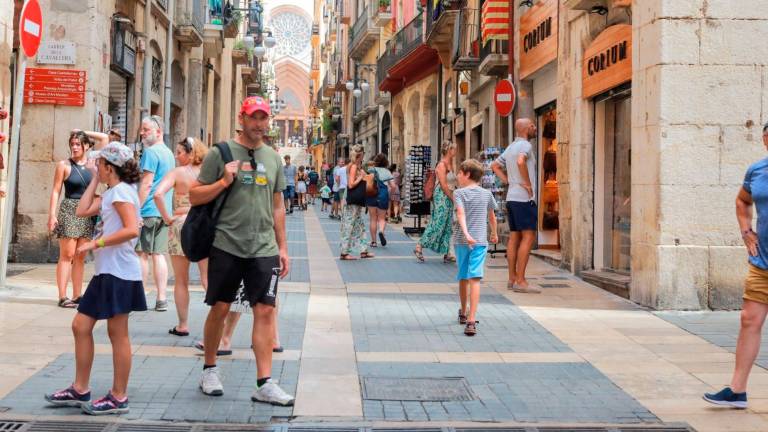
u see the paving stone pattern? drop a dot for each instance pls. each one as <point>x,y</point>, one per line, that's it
<point>151,328</point>
<point>428,323</point>
<point>160,389</point>
<point>523,392</point>
<point>719,328</point>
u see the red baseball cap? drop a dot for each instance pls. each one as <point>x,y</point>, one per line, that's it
<point>255,103</point>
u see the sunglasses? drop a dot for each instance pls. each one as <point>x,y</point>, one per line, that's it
<point>187,143</point>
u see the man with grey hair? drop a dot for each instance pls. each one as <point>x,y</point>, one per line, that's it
<point>156,161</point>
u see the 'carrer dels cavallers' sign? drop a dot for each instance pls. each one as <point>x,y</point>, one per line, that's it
<point>607,61</point>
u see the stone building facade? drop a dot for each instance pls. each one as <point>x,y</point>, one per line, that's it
<point>124,51</point>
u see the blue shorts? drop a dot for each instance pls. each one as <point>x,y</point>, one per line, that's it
<point>380,201</point>
<point>522,215</point>
<point>289,192</point>
<point>470,262</point>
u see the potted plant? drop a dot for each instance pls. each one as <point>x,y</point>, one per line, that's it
<point>384,5</point>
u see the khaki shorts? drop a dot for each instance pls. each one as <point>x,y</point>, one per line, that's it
<point>153,238</point>
<point>756,285</point>
<point>174,236</point>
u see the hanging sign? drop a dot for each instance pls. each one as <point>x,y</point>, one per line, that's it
<point>538,37</point>
<point>608,61</point>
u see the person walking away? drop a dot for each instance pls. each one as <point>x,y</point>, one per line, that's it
<point>353,238</point>
<point>340,187</point>
<point>752,196</point>
<point>516,167</point>
<point>301,188</point>
<point>189,156</point>
<point>314,179</point>
<point>325,195</point>
<point>156,162</point>
<point>116,290</point>
<point>475,207</point>
<point>378,205</point>
<point>250,245</point>
<point>71,230</point>
<point>437,235</point>
<point>394,195</point>
<point>289,171</point>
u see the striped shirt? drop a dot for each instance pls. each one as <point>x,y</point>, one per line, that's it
<point>476,202</point>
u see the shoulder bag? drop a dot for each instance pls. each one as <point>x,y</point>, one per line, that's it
<point>199,228</point>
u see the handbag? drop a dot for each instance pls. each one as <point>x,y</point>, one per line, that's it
<point>199,229</point>
<point>429,185</point>
<point>371,185</point>
<point>356,195</point>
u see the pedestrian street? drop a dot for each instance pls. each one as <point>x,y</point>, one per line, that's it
<point>375,344</point>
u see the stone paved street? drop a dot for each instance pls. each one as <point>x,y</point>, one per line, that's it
<point>376,343</point>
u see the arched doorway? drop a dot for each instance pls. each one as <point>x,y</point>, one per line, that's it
<point>384,140</point>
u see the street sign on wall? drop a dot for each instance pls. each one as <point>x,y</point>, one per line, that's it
<point>57,52</point>
<point>55,86</point>
<point>504,97</point>
<point>31,27</point>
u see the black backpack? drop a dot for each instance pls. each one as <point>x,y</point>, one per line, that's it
<point>199,228</point>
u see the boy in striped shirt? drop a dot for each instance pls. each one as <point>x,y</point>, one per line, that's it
<point>474,212</point>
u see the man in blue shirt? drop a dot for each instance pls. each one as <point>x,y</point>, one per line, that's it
<point>156,161</point>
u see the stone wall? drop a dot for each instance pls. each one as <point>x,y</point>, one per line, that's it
<point>699,99</point>
<point>6,53</point>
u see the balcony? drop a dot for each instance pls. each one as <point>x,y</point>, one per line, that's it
<point>466,49</point>
<point>315,35</point>
<point>190,23</point>
<point>407,58</point>
<point>363,35</point>
<point>493,58</point>
<point>240,57</point>
<point>329,86</point>
<point>383,13</point>
<point>440,26</point>
<point>163,4</point>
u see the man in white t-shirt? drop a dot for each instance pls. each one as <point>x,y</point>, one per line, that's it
<point>517,167</point>
<point>339,188</point>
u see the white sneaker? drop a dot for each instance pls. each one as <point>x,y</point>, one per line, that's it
<point>210,383</point>
<point>272,393</point>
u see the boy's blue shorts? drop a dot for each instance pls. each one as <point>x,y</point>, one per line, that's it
<point>471,262</point>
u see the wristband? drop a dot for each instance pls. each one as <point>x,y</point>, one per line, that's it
<point>746,231</point>
<point>100,243</point>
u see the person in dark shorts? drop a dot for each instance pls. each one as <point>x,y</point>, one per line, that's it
<point>250,246</point>
<point>517,167</point>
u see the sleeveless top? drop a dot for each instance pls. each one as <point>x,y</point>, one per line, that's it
<point>77,182</point>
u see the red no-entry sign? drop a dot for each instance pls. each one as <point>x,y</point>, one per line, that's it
<point>31,27</point>
<point>504,97</point>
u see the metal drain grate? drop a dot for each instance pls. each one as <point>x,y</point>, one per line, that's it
<point>491,430</point>
<point>416,389</point>
<point>409,430</point>
<point>554,285</point>
<point>152,428</point>
<point>63,426</point>
<point>322,428</point>
<point>11,426</point>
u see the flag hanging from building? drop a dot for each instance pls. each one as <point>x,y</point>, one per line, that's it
<point>495,20</point>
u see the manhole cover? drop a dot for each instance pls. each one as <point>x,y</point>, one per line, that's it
<point>416,389</point>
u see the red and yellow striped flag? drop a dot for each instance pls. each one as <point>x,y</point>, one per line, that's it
<point>495,20</point>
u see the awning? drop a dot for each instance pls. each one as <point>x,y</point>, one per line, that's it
<point>495,20</point>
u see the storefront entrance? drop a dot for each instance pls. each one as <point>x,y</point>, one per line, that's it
<point>549,223</point>
<point>613,209</point>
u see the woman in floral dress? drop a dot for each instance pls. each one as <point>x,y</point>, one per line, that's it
<point>437,235</point>
<point>353,237</point>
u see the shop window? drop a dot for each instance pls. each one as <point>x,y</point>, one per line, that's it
<point>157,75</point>
<point>549,211</point>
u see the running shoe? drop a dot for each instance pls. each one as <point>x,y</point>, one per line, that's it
<point>107,405</point>
<point>271,393</point>
<point>68,397</point>
<point>210,383</point>
<point>726,397</point>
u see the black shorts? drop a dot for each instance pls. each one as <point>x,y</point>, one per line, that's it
<point>258,275</point>
<point>522,215</point>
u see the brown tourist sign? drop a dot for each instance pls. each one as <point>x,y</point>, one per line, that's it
<point>538,37</point>
<point>607,61</point>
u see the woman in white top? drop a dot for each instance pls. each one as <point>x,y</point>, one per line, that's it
<point>116,289</point>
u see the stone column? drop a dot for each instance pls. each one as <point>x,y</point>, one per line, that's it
<point>195,92</point>
<point>45,128</point>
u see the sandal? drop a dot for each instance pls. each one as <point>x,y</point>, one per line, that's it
<point>176,332</point>
<point>462,318</point>
<point>347,257</point>
<point>66,303</point>
<point>199,345</point>
<point>77,299</point>
<point>471,328</point>
<point>449,259</point>
<point>419,254</point>
<point>365,255</point>
<point>373,244</point>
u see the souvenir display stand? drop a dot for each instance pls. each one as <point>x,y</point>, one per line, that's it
<point>492,183</point>
<point>417,168</point>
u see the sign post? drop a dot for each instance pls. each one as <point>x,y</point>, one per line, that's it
<point>31,32</point>
<point>511,57</point>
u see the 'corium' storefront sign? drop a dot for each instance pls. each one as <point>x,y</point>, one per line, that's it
<point>538,37</point>
<point>608,60</point>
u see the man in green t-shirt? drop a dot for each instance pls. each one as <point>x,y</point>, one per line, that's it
<point>250,245</point>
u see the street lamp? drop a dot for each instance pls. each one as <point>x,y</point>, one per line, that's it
<point>269,40</point>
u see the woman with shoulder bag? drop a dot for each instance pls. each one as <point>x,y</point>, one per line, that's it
<point>437,235</point>
<point>353,236</point>
<point>379,203</point>
<point>72,231</point>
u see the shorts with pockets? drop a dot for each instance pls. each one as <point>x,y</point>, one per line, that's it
<point>522,215</point>
<point>227,271</point>
<point>153,238</point>
<point>470,261</point>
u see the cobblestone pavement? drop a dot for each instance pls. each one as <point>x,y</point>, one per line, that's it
<point>375,343</point>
